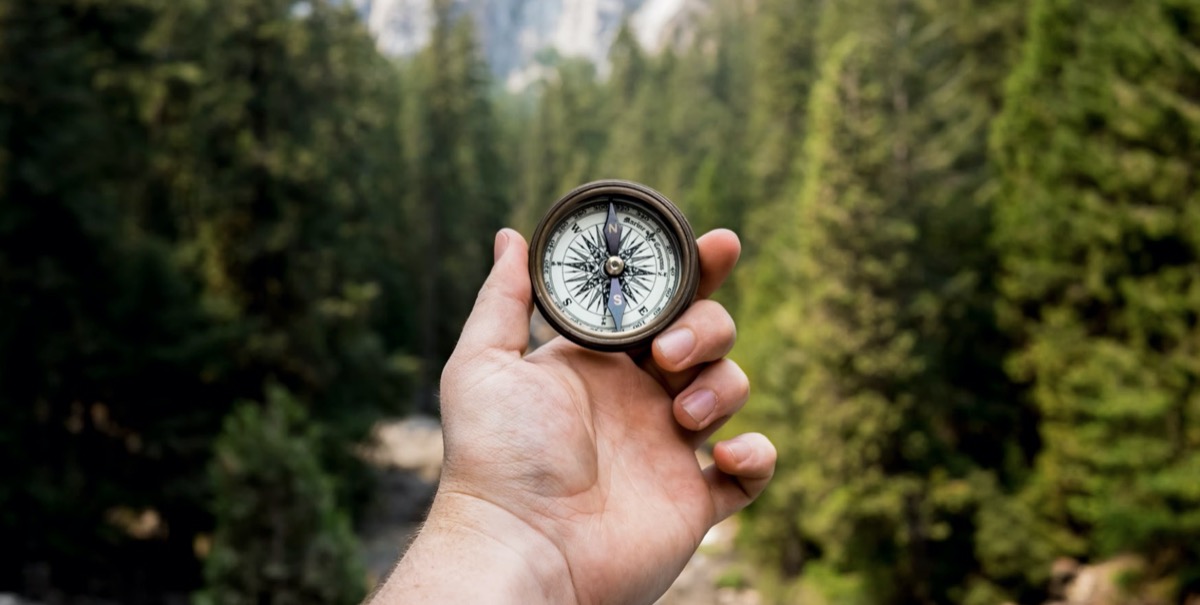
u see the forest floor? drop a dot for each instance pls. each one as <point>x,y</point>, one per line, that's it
<point>408,457</point>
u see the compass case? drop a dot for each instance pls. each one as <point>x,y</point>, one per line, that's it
<point>677,228</point>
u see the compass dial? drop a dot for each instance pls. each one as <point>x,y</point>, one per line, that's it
<point>612,264</point>
<point>579,284</point>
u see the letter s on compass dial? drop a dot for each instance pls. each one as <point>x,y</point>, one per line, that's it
<point>613,263</point>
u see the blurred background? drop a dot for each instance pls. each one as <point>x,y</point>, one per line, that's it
<point>238,239</point>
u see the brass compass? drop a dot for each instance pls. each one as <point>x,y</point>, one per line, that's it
<point>613,263</point>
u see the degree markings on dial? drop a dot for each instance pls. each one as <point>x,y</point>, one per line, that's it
<point>577,251</point>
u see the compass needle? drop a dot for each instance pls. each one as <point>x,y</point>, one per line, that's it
<point>616,303</point>
<point>612,231</point>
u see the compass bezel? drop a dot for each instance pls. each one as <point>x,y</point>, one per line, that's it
<point>681,236</point>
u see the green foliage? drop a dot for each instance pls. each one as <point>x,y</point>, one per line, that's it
<point>195,198</point>
<point>562,139</point>
<point>279,538</point>
<point>1015,546</point>
<point>105,347</point>
<point>826,584</point>
<point>678,120</point>
<point>287,127</point>
<point>460,197</point>
<point>891,418</point>
<point>733,577</point>
<point>1100,245</point>
<point>289,213</point>
<point>785,67</point>
<point>973,358</point>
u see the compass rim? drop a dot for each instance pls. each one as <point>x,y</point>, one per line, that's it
<point>680,232</point>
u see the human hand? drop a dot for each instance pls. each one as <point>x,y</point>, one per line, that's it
<point>570,475</point>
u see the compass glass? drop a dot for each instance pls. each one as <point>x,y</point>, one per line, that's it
<point>580,273</point>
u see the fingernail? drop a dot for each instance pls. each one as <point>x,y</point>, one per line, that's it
<point>677,344</point>
<point>700,405</point>
<point>500,246</point>
<point>737,450</point>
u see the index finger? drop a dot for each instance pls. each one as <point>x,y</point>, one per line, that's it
<point>719,252</point>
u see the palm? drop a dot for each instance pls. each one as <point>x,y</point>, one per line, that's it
<point>604,464</point>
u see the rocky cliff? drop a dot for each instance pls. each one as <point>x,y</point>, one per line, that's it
<point>517,35</point>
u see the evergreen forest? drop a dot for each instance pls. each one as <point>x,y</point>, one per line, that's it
<point>234,236</point>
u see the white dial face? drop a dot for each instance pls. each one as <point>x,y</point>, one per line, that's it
<point>574,268</point>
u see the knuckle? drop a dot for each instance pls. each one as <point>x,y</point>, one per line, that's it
<point>486,291</point>
<point>709,308</point>
<point>766,448</point>
<point>716,325</point>
<point>723,339</point>
<point>740,380</point>
<point>770,455</point>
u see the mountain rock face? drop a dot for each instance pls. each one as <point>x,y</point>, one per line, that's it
<point>518,36</point>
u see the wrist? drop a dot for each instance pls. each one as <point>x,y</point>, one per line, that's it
<point>473,551</point>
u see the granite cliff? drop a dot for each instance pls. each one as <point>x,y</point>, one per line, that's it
<point>517,36</point>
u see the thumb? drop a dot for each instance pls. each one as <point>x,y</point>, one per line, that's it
<point>500,319</point>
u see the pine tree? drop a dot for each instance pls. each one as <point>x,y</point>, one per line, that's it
<point>785,67</point>
<point>459,198</point>
<point>678,118</point>
<point>708,132</point>
<point>889,410</point>
<point>289,212</point>
<point>628,69</point>
<point>566,134</point>
<point>280,537</point>
<point>640,107</point>
<point>190,199</point>
<point>1100,248</point>
<point>294,139</point>
<point>105,346</point>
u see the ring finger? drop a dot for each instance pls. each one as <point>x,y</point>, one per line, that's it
<point>706,404</point>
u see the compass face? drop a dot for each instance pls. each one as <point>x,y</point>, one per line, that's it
<point>612,264</point>
<point>579,283</point>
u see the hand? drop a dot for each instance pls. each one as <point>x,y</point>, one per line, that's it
<point>570,475</point>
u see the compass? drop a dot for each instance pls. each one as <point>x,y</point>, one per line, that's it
<point>613,263</point>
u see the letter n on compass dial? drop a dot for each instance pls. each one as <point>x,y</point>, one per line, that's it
<point>580,286</point>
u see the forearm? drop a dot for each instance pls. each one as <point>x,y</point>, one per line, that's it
<point>471,551</point>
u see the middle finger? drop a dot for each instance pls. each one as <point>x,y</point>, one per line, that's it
<point>704,333</point>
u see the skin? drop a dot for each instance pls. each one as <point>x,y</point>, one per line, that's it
<point>570,476</point>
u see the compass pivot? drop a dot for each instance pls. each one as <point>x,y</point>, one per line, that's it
<point>614,266</point>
